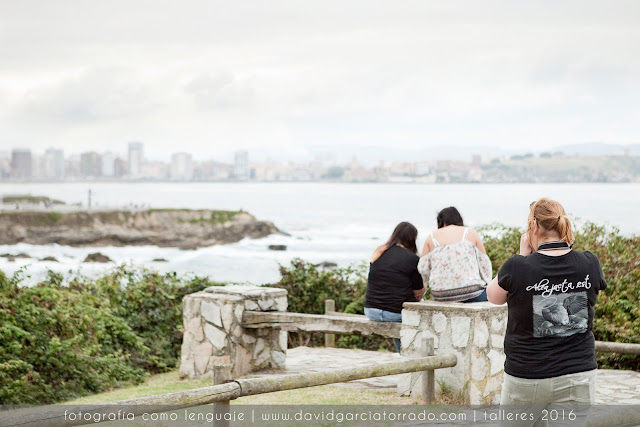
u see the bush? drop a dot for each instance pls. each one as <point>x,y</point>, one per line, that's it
<point>67,341</point>
<point>59,343</point>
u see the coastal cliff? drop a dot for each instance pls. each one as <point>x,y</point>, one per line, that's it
<point>186,229</point>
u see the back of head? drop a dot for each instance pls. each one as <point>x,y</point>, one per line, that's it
<point>449,216</point>
<point>551,219</point>
<point>404,234</point>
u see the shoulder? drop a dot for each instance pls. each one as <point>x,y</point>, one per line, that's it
<point>586,256</point>
<point>589,255</point>
<point>515,262</point>
<point>406,253</point>
<point>377,253</point>
<point>472,234</point>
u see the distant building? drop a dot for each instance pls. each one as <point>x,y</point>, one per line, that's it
<point>108,164</point>
<point>5,165</point>
<point>423,168</point>
<point>154,171</point>
<point>72,166</point>
<point>21,163</point>
<point>37,165</point>
<point>212,171</point>
<point>91,164</point>
<point>53,164</point>
<point>135,159</point>
<point>181,167</point>
<point>119,167</point>
<point>241,165</point>
<point>476,160</point>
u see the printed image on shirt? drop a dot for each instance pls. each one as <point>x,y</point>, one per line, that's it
<point>560,315</point>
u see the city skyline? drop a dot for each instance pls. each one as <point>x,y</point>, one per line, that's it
<point>283,78</point>
<point>580,163</point>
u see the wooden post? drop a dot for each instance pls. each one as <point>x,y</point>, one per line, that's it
<point>329,307</point>
<point>221,375</point>
<point>428,376</point>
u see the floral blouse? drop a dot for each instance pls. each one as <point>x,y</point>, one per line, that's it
<point>455,272</point>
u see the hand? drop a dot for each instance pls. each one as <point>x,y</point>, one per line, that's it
<point>525,245</point>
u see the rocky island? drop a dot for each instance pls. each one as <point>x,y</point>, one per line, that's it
<point>182,228</point>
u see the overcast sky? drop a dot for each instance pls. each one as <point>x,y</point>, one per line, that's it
<point>286,77</point>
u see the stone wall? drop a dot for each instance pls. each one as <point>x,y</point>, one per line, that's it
<point>213,333</point>
<point>474,332</point>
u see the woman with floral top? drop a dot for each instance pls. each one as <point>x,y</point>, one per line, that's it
<point>454,263</point>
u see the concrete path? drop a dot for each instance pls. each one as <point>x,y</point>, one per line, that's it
<point>613,387</point>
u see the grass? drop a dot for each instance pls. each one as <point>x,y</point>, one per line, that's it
<point>170,382</point>
<point>30,199</point>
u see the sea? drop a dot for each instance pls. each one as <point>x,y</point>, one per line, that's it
<point>324,222</point>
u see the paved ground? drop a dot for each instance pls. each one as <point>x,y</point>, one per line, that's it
<point>613,387</point>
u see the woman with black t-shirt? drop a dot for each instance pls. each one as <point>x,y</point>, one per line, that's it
<point>550,291</point>
<point>393,277</point>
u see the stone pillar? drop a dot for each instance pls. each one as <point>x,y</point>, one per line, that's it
<point>213,332</point>
<point>474,332</point>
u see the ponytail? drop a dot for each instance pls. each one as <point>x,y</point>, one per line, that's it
<point>564,229</point>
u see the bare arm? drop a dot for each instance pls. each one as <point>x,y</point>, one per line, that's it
<point>495,294</point>
<point>525,245</point>
<point>428,246</point>
<point>477,240</point>
<point>419,293</point>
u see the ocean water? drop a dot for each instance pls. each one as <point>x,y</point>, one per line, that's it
<point>340,223</point>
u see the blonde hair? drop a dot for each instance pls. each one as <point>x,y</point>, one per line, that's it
<point>551,218</point>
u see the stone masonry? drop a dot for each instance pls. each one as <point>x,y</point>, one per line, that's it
<point>213,332</point>
<point>474,332</point>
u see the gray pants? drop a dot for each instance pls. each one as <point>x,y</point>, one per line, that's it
<point>556,401</point>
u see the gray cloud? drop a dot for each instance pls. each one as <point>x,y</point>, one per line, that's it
<point>222,91</point>
<point>97,94</point>
<point>494,72</point>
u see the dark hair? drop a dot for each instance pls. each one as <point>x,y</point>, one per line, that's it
<point>405,234</point>
<point>449,216</point>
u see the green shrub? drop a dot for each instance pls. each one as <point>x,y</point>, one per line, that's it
<point>68,341</point>
<point>54,217</point>
<point>59,343</point>
<point>151,304</point>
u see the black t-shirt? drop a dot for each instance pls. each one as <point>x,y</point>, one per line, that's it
<point>550,301</point>
<point>392,279</point>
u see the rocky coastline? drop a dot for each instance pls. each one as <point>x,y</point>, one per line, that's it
<point>181,228</point>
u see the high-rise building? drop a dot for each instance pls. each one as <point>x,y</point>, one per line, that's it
<point>5,165</point>
<point>91,164</point>
<point>241,165</point>
<point>53,164</point>
<point>108,164</point>
<point>135,159</point>
<point>20,163</point>
<point>119,167</point>
<point>181,167</point>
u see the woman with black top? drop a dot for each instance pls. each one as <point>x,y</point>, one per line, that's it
<point>393,277</point>
<point>550,291</point>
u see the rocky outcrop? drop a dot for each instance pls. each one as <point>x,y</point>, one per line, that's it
<point>97,257</point>
<point>187,229</point>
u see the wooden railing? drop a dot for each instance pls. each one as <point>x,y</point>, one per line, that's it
<point>617,347</point>
<point>223,393</point>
